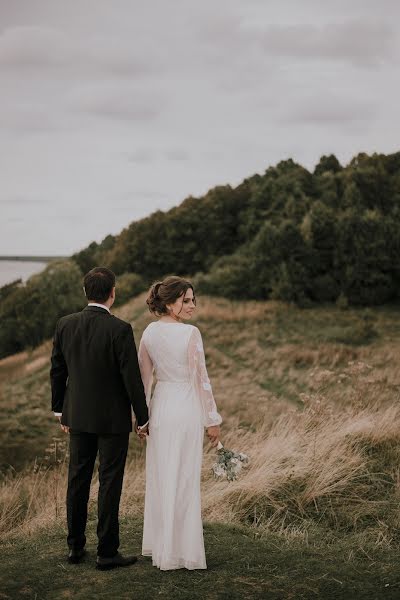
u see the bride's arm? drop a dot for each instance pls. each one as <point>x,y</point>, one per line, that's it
<point>146,370</point>
<point>200,379</point>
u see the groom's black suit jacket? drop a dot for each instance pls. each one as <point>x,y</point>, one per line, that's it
<point>95,376</point>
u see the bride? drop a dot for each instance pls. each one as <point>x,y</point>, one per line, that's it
<point>181,405</point>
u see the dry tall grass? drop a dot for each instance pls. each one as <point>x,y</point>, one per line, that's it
<point>319,419</point>
<point>320,466</point>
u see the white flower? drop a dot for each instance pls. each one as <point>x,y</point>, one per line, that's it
<point>219,471</point>
<point>229,464</point>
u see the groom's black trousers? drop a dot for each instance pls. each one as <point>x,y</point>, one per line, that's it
<point>112,450</point>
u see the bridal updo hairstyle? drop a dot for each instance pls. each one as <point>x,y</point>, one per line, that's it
<point>166,292</point>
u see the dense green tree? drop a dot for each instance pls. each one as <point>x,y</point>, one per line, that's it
<point>231,276</point>
<point>188,238</point>
<point>29,314</point>
<point>128,286</point>
<point>329,189</point>
<point>9,288</point>
<point>328,164</point>
<point>319,232</point>
<point>94,255</point>
<point>291,281</point>
<point>330,235</point>
<point>86,259</point>
<point>373,183</point>
<point>363,258</point>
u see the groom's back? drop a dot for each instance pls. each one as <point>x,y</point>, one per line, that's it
<point>95,399</point>
<point>87,339</point>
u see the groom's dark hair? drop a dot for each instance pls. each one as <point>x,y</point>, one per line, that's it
<point>98,284</point>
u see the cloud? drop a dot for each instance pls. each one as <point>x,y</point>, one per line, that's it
<point>121,57</point>
<point>16,220</point>
<point>116,100</point>
<point>29,118</point>
<point>21,201</point>
<point>222,28</point>
<point>177,154</point>
<point>143,155</point>
<point>44,47</point>
<point>150,194</point>
<point>35,46</point>
<point>362,42</point>
<point>334,110</point>
<point>148,155</point>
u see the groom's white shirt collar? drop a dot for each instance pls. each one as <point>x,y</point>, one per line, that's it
<point>99,305</point>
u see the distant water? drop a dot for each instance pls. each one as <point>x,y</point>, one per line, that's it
<point>10,270</point>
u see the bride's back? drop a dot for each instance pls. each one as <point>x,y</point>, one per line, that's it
<point>167,344</point>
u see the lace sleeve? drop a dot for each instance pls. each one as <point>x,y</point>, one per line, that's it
<point>146,370</point>
<point>200,379</point>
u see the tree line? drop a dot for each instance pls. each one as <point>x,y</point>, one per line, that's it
<point>328,236</point>
<point>331,235</point>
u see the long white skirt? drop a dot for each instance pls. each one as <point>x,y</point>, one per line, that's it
<point>173,529</point>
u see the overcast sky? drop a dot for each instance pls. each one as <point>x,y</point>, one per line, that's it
<point>111,109</point>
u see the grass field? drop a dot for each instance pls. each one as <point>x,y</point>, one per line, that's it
<point>240,565</point>
<point>311,395</point>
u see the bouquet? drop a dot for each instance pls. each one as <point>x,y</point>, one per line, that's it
<point>229,463</point>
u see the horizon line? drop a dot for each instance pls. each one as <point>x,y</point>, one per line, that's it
<point>32,257</point>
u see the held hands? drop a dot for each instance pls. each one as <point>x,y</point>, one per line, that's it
<point>63,427</point>
<point>141,432</point>
<point>213,434</point>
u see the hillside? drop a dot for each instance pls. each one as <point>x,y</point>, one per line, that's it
<point>326,237</point>
<point>310,395</point>
<point>260,355</point>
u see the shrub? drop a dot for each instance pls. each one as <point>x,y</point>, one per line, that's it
<point>29,313</point>
<point>128,285</point>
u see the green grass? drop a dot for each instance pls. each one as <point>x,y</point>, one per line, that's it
<point>281,389</point>
<point>26,423</point>
<point>240,565</point>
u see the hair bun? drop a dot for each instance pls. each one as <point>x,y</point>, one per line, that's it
<point>153,300</point>
<point>173,287</point>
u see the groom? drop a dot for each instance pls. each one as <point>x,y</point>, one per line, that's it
<point>95,383</point>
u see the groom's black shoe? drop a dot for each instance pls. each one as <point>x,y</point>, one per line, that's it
<point>76,556</point>
<point>104,564</point>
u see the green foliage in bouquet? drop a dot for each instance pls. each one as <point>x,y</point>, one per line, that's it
<point>229,463</point>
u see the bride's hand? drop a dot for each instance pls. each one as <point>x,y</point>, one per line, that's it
<point>213,433</point>
<point>141,433</point>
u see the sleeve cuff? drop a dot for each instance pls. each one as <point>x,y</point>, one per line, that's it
<point>58,414</point>
<point>142,426</point>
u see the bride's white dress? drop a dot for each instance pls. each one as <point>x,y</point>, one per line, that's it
<point>181,406</point>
